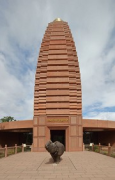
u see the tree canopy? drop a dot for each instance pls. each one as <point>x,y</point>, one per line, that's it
<point>7,119</point>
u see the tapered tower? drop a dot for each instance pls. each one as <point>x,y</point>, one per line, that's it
<point>57,96</point>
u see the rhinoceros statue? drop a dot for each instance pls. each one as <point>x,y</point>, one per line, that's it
<point>56,149</point>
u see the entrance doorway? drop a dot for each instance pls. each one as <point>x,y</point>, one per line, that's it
<point>58,135</point>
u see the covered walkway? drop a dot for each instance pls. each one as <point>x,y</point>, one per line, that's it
<point>74,165</point>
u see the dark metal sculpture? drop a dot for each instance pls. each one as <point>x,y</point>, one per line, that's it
<point>56,149</point>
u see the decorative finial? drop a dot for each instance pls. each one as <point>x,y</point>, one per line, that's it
<point>58,19</point>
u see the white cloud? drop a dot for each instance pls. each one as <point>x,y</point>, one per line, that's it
<point>15,100</point>
<point>23,24</point>
<point>101,115</point>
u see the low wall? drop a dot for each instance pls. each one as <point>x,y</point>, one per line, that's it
<point>92,123</point>
<point>16,125</point>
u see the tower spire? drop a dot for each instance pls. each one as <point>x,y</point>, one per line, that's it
<point>58,19</point>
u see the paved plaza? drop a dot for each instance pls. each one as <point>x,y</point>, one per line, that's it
<point>73,165</point>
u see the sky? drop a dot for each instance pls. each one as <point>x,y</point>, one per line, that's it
<point>22,26</point>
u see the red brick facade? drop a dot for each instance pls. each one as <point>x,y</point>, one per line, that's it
<point>58,97</point>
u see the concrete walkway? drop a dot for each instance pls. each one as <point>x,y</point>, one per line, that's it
<point>74,165</point>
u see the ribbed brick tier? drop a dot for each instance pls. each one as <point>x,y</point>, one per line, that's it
<point>57,97</point>
<point>57,80</point>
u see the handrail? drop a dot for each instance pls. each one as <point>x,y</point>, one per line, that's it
<point>103,149</point>
<point>7,150</point>
<point>10,147</point>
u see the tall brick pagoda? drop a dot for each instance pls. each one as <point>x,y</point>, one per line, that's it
<point>58,96</point>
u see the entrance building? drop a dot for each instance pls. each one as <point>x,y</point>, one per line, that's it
<point>57,100</point>
<point>57,95</point>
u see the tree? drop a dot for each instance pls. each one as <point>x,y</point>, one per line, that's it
<point>7,119</point>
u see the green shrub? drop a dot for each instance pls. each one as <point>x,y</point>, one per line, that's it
<point>104,152</point>
<point>19,149</point>
<point>2,154</point>
<point>96,148</point>
<point>113,155</point>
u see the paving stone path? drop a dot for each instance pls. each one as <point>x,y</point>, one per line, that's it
<point>73,166</point>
